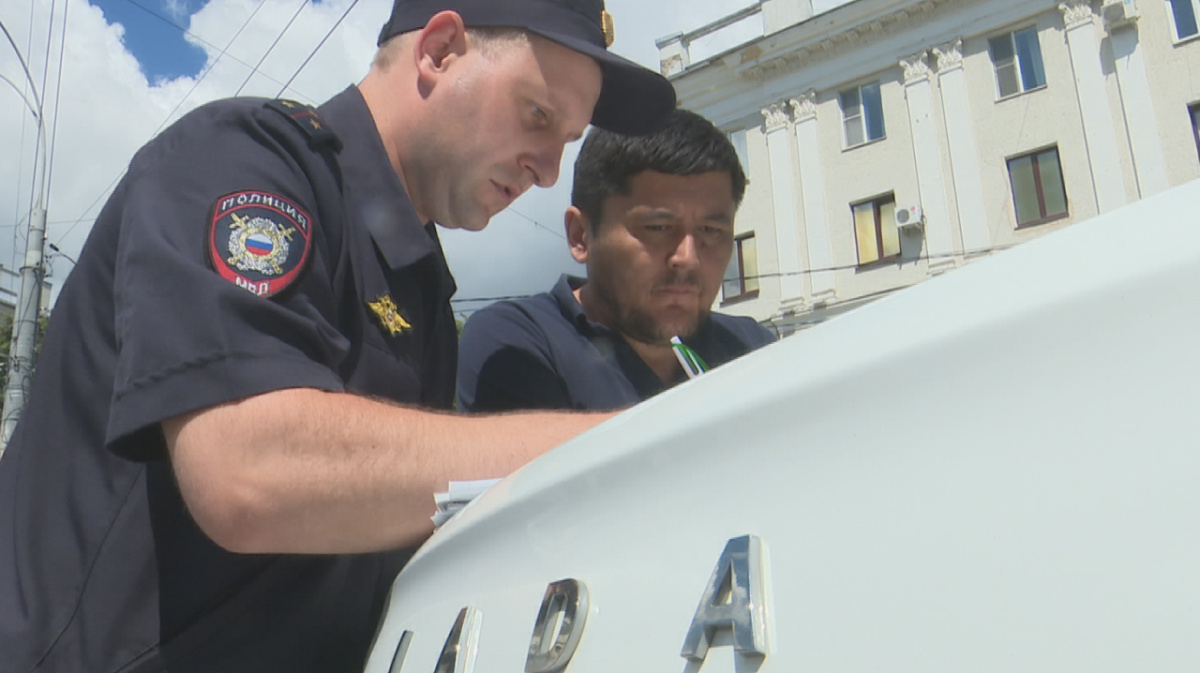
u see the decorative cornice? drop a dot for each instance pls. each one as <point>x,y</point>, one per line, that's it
<point>671,65</point>
<point>776,116</point>
<point>830,46</point>
<point>804,106</point>
<point>916,68</point>
<point>1077,13</point>
<point>949,56</point>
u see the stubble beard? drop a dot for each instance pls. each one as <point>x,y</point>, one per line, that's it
<point>640,325</point>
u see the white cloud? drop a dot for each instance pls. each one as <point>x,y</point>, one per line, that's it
<point>175,9</point>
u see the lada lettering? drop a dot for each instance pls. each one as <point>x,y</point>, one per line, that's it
<point>733,600</point>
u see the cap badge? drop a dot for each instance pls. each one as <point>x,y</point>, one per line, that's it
<point>606,24</point>
<point>389,315</point>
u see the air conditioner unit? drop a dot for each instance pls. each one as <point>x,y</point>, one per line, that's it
<point>909,216</point>
<point>1118,13</point>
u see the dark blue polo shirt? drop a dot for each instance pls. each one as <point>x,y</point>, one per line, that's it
<point>542,352</point>
<point>101,567</point>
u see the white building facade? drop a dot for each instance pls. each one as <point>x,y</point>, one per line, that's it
<point>888,141</point>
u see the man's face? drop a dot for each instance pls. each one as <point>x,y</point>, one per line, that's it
<point>504,117</point>
<point>656,259</point>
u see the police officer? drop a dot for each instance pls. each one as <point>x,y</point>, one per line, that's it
<point>226,443</point>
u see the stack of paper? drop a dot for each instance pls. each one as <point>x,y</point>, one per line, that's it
<point>461,493</point>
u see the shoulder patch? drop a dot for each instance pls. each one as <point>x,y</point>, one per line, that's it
<point>259,241</point>
<point>310,123</point>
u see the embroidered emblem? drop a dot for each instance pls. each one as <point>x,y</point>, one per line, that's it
<point>606,24</point>
<point>258,244</point>
<point>389,315</point>
<point>259,241</point>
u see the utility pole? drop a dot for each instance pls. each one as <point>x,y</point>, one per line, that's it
<point>29,301</point>
<point>25,325</point>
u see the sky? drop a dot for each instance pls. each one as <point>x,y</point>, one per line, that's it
<point>130,67</point>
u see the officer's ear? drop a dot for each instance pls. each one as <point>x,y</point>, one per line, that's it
<point>579,233</point>
<point>442,41</point>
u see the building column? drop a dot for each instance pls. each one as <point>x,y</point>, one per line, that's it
<point>931,183</point>
<point>1140,120</point>
<point>812,190</point>
<point>783,196</point>
<point>964,154</point>
<point>1098,127</point>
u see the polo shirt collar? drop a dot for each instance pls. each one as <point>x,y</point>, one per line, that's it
<point>373,186</point>
<point>564,295</point>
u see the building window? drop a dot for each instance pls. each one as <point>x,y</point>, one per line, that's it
<point>875,229</point>
<point>862,114</point>
<point>738,140</point>
<point>1017,57</point>
<point>1037,186</point>
<point>741,276</point>
<point>1194,113</point>
<point>1183,18</point>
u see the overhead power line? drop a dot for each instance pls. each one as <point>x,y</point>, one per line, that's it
<point>224,52</point>
<point>970,255</point>
<point>199,39</point>
<point>316,49</point>
<point>537,224</point>
<point>62,45</point>
<point>303,4</point>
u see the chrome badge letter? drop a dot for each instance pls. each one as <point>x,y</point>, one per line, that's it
<point>555,639</point>
<point>732,600</point>
<point>462,645</point>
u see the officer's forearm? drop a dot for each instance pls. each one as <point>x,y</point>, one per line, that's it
<point>307,471</point>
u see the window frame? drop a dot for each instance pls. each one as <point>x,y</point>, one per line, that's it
<point>741,268</point>
<point>878,203</point>
<point>1018,63</point>
<point>862,119</point>
<point>1176,38</point>
<point>1040,187</point>
<point>1194,116</point>
<point>741,146</point>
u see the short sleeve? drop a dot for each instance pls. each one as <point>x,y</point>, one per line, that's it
<point>760,336</point>
<point>187,338</point>
<point>505,363</point>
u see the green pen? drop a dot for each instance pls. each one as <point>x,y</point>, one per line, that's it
<point>692,363</point>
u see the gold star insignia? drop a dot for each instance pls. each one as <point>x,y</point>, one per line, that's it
<point>315,124</point>
<point>385,309</point>
<point>606,24</point>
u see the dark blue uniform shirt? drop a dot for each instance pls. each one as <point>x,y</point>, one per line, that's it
<point>542,352</point>
<point>101,567</point>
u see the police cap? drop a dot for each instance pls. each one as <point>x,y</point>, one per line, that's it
<point>633,100</point>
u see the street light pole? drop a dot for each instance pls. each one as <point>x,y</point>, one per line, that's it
<point>25,318</point>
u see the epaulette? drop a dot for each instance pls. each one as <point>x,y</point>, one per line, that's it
<point>310,123</point>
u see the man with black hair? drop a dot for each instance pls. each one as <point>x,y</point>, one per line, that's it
<point>230,446</point>
<point>652,219</point>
